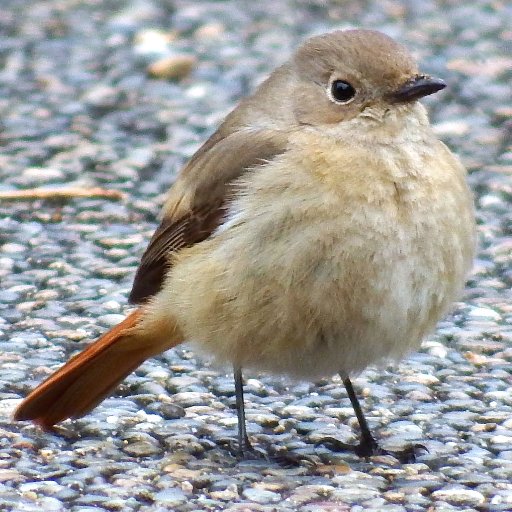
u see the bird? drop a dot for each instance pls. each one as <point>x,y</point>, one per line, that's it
<point>321,229</point>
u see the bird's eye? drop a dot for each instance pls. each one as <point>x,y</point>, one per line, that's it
<point>341,91</point>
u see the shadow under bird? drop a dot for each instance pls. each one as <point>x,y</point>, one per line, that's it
<point>322,228</point>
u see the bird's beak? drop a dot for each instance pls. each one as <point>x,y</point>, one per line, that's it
<point>416,88</point>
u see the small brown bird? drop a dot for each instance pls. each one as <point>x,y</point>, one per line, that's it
<point>320,229</point>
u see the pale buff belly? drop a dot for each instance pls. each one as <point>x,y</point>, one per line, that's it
<point>310,305</point>
<point>308,278</point>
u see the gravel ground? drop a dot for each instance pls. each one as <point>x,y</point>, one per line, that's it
<point>78,108</point>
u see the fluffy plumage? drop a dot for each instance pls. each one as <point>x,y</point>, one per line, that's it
<point>308,236</point>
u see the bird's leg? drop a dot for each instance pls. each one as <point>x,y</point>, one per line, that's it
<point>245,448</point>
<point>368,446</point>
<point>244,445</point>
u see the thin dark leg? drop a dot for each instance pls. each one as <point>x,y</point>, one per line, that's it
<point>244,445</point>
<point>245,448</point>
<point>367,445</point>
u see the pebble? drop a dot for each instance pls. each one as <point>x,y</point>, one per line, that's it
<point>191,398</point>
<point>10,475</point>
<point>459,496</point>
<point>298,412</point>
<point>261,495</point>
<point>152,41</point>
<point>230,493</point>
<point>213,30</point>
<point>12,248</point>
<point>43,174</point>
<point>484,313</point>
<point>49,503</point>
<point>458,128</point>
<point>501,440</point>
<point>175,67</point>
<point>110,320</point>
<point>170,497</point>
<point>171,411</point>
<point>354,495</point>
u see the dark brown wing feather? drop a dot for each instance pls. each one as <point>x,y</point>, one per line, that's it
<point>203,186</point>
<point>169,237</point>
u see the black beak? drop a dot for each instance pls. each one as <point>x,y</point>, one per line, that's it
<point>416,88</point>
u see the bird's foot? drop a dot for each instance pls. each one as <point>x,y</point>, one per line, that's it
<point>290,459</point>
<point>368,447</point>
<point>282,457</point>
<point>246,451</point>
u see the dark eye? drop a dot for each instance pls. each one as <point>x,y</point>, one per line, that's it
<point>342,91</point>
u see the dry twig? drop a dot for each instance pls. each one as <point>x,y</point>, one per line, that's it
<point>60,193</point>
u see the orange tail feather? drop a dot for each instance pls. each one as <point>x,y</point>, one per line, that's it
<point>90,376</point>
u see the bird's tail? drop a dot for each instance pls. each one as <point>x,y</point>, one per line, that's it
<point>89,377</point>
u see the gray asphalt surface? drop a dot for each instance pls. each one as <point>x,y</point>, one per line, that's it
<point>78,109</point>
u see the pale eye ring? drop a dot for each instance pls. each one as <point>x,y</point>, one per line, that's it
<point>341,91</point>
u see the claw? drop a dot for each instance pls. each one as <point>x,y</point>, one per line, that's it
<point>288,459</point>
<point>246,452</point>
<point>369,447</point>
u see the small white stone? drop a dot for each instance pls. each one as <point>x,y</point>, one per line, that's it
<point>6,263</point>
<point>486,313</point>
<point>459,496</point>
<point>42,174</point>
<point>299,411</point>
<point>111,320</point>
<point>112,305</point>
<point>501,439</point>
<point>12,248</point>
<point>170,497</point>
<point>152,41</point>
<point>421,378</point>
<point>436,349</point>
<point>451,128</point>
<point>196,91</point>
<point>261,495</point>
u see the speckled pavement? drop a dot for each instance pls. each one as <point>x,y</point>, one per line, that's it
<point>86,101</point>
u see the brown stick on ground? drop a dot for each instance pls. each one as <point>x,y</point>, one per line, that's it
<point>60,193</point>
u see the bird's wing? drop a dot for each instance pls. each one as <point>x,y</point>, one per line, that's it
<point>197,200</point>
